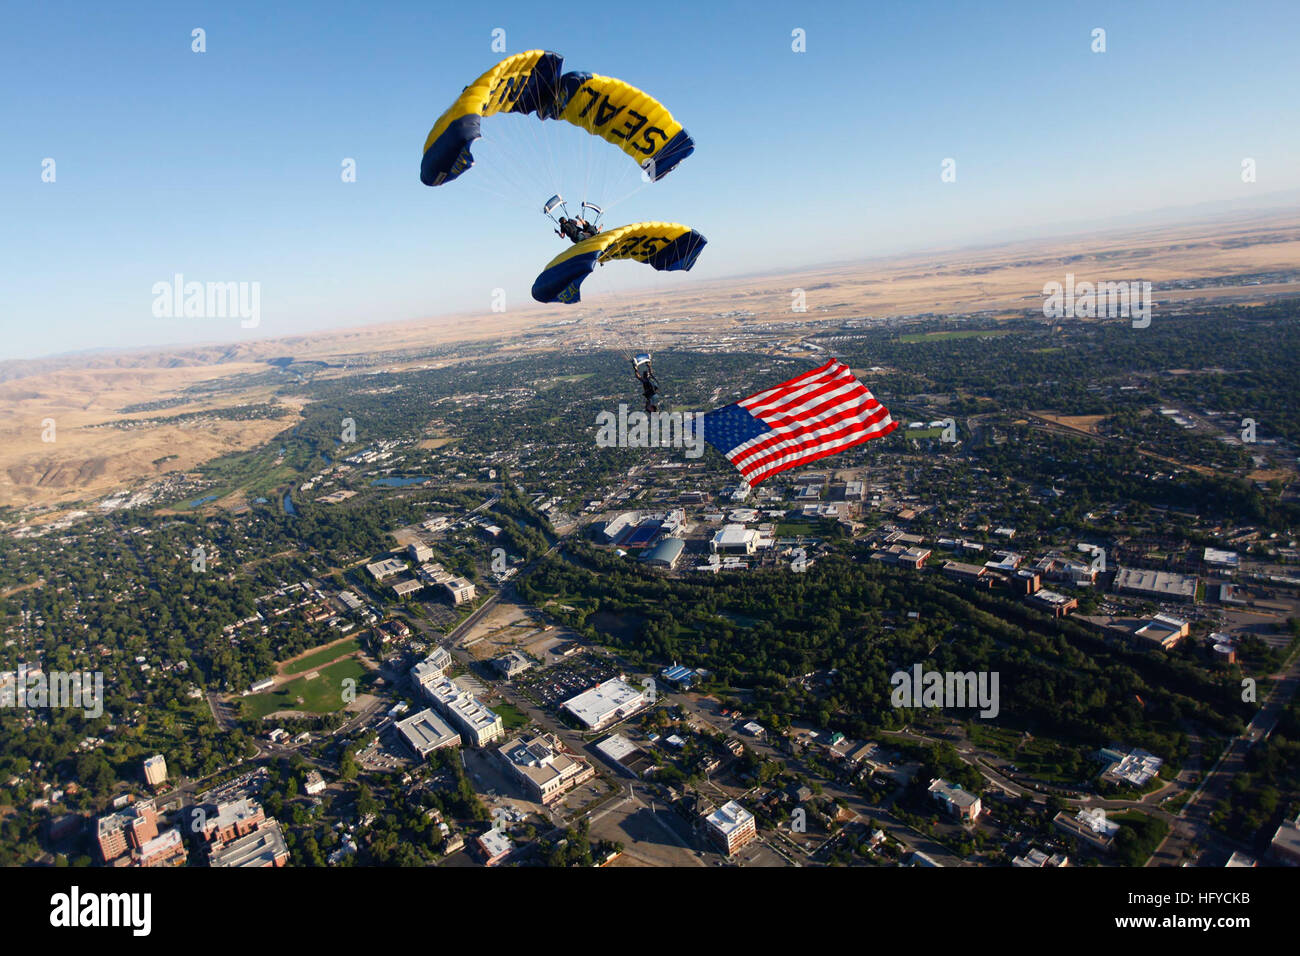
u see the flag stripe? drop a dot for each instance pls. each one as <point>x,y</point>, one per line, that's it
<point>819,449</point>
<point>819,413</point>
<point>788,434</point>
<point>785,386</point>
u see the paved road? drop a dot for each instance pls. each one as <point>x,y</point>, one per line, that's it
<point>1192,825</point>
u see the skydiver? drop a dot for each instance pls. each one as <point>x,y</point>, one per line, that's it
<point>648,385</point>
<point>576,229</point>
<point>569,229</point>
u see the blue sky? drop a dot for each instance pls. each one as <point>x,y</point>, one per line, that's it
<point>224,166</point>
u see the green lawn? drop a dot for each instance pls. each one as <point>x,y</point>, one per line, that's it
<point>323,656</point>
<point>323,695</point>
<point>511,716</point>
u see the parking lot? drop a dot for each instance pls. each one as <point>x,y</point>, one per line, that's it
<point>552,686</point>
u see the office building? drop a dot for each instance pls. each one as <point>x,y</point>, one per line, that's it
<point>606,703</point>
<point>730,827</point>
<point>426,732</point>
<point>544,768</point>
<point>478,725</point>
<point>155,770</point>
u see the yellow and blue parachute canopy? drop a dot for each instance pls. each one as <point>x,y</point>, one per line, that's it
<point>621,114</point>
<point>531,82</point>
<point>523,83</point>
<point>666,246</point>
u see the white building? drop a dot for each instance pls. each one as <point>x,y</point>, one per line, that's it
<point>432,667</point>
<point>478,725</point>
<point>731,826</point>
<point>460,590</point>
<point>607,703</point>
<point>426,732</point>
<point>734,539</point>
<point>380,570</point>
<point>155,770</point>
<point>544,768</point>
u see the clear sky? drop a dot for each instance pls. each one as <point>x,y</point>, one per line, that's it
<point>225,165</point>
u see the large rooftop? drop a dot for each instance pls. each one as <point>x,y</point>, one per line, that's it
<point>729,818</point>
<point>259,848</point>
<point>609,699</point>
<point>426,732</point>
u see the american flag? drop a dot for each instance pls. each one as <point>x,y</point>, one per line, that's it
<point>813,415</point>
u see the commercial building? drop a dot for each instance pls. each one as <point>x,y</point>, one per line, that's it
<point>958,803</point>
<point>420,553</point>
<point>166,849</point>
<point>1224,560</point>
<point>262,847</point>
<point>730,827</point>
<point>665,554</point>
<point>380,570</point>
<point>1026,581</point>
<point>512,663</point>
<point>426,732</point>
<point>1161,585</point>
<point>495,846</point>
<point>1223,653</point>
<point>229,820</point>
<point>1056,604</point>
<point>117,833</point>
<point>734,539</point>
<point>407,586</point>
<point>431,668</point>
<point>1089,825</point>
<point>1057,567</point>
<point>544,768</point>
<point>1162,631</point>
<point>606,703</point>
<point>1135,768</point>
<point>155,770</point>
<point>1005,562</point>
<point>967,573</point>
<point>902,556</point>
<point>478,725</point>
<point>625,755</point>
<point>460,590</point>
<point>1037,858</point>
<point>315,784</point>
<point>683,678</point>
<point>1285,846</point>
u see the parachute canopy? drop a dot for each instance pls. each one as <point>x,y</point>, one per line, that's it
<point>666,246</point>
<point>636,123</point>
<point>523,83</point>
<point>531,82</point>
